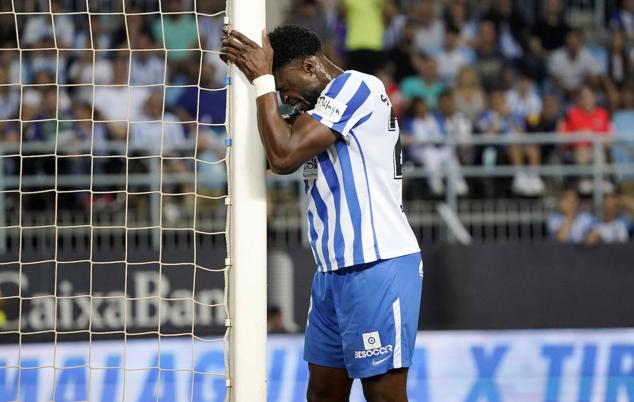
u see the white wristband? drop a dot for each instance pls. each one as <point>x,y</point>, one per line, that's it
<point>264,84</point>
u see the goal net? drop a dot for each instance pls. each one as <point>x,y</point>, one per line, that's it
<point>115,208</point>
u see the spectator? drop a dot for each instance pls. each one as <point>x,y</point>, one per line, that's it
<point>620,70</point>
<point>425,143</point>
<point>8,31</point>
<point>458,126</point>
<point>499,120</point>
<point>392,89</point>
<point>490,64</point>
<point>468,94</point>
<point>364,35</point>
<point>613,227</point>
<point>181,34</point>
<point>623,19</point>
<point>10,63</point>
<point>570,224</point>
<point>523,100</point>
<point>84,136</point>
<point>211,172</point>
<point>210,28</point>
<point>206,104</point>
<point>452,57</point>
<point>525,105</point>
<point>426,84</point>
<point>38,29</point>
<point>310,14</point>
<point>210,23</point>
<point>147,67</point>
<point>46,125</point>
<point>179,28</point>
<point>573,66</point>
<point>10,137</point>
<point>551,28</point>
<point>586,118</point>
<point>456,15</point>
<point>118,103</point>
<point>160,133</point>
<point>395,22</point>
<point>157,133</point>
<point>84,72</point>
<point>275,321</point>
<point>511,28</point>
<point>400,57</point>
<point>9,98</point>
<point>548,121</point>
<point>430,30</point>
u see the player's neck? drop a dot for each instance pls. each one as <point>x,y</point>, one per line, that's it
<point>329,70</point>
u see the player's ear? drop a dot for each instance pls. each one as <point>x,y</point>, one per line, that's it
<point>308,66</point>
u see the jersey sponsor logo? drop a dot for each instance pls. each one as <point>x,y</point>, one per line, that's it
<point>371,340</point>
<point>383,350</point>
<point>373,346</point>
<point>330,109</point>
<point>310,169</point>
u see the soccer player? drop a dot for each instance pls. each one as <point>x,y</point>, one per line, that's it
<point>366,294</point>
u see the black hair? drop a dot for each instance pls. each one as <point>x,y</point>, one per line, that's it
<point>445,93</point>
<point>452,28</point>
<point>575,31</point>
<point>410,112</point>
<point>291,42</point>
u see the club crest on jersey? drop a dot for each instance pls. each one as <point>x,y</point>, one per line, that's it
<point>330,109</point>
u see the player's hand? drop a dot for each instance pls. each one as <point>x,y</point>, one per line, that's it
<point>252,59</point>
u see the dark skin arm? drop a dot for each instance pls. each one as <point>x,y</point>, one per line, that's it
<point>287,146</point>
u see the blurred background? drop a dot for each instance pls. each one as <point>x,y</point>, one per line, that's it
<point>517,124</point>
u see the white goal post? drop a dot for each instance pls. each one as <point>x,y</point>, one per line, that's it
<point>247,240</point>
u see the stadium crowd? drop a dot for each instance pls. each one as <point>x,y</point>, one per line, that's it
<point>453,69</point>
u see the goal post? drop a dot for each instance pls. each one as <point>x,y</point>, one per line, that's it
<point>247,240</point>
<point>115,160</point>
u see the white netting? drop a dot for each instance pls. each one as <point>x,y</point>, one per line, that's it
<point>113,223</point>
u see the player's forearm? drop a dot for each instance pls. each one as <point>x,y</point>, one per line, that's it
<point>275,133</point>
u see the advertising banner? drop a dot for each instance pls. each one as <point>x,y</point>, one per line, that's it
<point>492,366</point>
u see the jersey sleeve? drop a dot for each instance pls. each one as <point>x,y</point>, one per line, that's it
<point>346,103</point>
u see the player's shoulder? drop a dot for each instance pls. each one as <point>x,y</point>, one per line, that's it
<point>352,80</point>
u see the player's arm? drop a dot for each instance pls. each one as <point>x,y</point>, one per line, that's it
<point>287,146</point>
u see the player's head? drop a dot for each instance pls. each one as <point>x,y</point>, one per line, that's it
<point>297,65</point>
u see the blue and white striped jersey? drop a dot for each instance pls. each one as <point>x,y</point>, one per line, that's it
<point>354,189</point>
<point>581,227</point>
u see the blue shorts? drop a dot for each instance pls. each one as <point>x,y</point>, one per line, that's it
<point>365,318</point>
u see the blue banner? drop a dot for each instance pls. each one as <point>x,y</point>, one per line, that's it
<point>513,366</point>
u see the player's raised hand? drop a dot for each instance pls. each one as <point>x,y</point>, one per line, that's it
<point>252,59</point>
